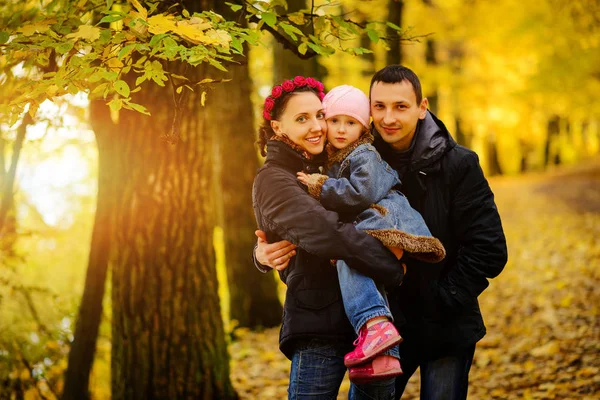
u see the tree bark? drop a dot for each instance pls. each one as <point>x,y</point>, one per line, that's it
<point>167,332</point>
<point>394,55</point>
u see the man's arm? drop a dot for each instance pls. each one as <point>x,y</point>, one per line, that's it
<point>482,252</point>
<point>272,256</point>
<point>293,215</point>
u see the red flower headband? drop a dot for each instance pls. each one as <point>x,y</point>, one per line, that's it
<point>289,86</point>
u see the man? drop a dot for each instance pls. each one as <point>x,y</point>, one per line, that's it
<point>436,308</point>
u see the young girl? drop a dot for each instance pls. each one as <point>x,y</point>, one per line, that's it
<point>315,333</point>
<point>360,182</point>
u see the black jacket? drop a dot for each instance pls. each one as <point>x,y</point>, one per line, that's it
<point>313,306</point>
<point>436,308</point>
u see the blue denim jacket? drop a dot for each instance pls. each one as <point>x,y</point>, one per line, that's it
<point>359,181</point>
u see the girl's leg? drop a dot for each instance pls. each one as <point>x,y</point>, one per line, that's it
<point>368,311</point>
<point>362,300</point>
<point>317,371</point>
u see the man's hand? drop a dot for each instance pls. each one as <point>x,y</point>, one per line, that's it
<point>276,255</point>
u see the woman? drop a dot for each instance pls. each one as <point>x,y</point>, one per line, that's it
<point>315,333</point>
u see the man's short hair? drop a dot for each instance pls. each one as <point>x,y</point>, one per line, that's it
<point>395,74</point>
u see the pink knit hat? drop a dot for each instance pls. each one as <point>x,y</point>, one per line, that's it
<point>347,100</point>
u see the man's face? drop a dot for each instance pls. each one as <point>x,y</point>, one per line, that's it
<point>395,112</point>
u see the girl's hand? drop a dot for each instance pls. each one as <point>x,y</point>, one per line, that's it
<point>302,177</point>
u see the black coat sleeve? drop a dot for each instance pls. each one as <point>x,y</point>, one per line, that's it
<point>293,215</point>
<point>482,252</point>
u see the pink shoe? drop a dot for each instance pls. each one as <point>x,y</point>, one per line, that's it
<point>382,367</point>
<point>372,341</point>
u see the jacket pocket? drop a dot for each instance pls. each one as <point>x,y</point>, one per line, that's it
<point>307,293</point>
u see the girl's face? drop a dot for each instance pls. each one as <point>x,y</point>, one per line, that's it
<point>303,122</point>
<point>343,130</point>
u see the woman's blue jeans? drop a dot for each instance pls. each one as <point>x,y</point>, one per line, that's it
<point>318,370</point>
<point>363,300</point>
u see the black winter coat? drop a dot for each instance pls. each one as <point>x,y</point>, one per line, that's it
<point>284,210</point>
<point>436,308</point>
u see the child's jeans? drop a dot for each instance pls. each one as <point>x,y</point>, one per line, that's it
<point>362,299</point>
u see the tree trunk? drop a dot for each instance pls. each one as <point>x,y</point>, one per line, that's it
<point>551,155</point>
<point>167,333</point>
<point>83,348</point>
<point>394,55</point>
<point>253,296</point>
<point>494,167</point>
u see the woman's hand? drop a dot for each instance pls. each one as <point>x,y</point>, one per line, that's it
<point>276,255</point>
<point>302,177</point>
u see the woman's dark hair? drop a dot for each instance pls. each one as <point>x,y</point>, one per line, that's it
<point>396,74</point>
<point>265,132</point>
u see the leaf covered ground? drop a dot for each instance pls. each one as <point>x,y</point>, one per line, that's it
<point>542,312</point>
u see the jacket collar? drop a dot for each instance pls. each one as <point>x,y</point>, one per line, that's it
<point>432,141</point>
<point>337,156</point>
<point>281,152</point>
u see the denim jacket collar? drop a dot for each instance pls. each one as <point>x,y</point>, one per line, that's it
<point>337,156</point>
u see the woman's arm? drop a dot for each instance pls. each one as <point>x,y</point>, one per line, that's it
<point>290,213</point>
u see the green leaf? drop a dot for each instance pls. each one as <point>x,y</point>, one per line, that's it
<point>237,45</point>
<point>269,18</point>
<point>111,18</point>
<point>393,26</point>
<point>186,13</point>
<point>156,38</point>
<point>109,75</point>
<point>122,88</point>
<point>4,36</point>
<point>109,4</point>
<point>98,89</point>
<point>216,64</point>
<point>139,108</point>
<point>115,104</point>
<point>234,7</point>
<point>291,30</point>
<point>373,35</point>
<point>64,47</point>
<point>126,50</point>
<point>140,79</point>
<point>315,48</point>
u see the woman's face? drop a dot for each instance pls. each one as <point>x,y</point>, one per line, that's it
<point>303,122</point>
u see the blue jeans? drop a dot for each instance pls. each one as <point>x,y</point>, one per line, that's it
<point>318,370</point>
<point>445,378</point>
<point>363,300</point>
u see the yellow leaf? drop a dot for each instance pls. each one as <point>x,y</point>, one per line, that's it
<point>161,24</point>
<point>192,33</point>
<point>87,32</point>
<point>203,98</point>
<point>200,23</point>
<point>567,300</point>
<point>220,36</point>
<point>39,27</point>
<point>297,18</point>
<point>548,349</point>
<point>143,12</point>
